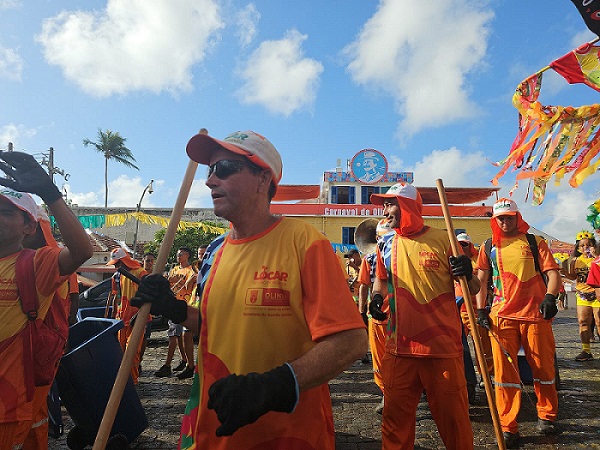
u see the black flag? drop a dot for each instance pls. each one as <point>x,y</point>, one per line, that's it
<point>590,11</point>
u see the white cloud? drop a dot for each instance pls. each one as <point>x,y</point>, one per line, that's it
<point>83,198</point>
<point>10,4</point>
<point>11,64</point>
<point>455,167</point>
<point>278,77</point>
<point>13,133</point>
<point>199,196</point>
<point>133,45</point>
<point>421,54</point>
<point>246,22</point>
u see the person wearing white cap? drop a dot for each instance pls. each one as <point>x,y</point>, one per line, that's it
<point>123,289</point>
<point>22,399</point>
<point>464,240</point>
<point>276,319</point>
<point>423,349</point>
<point>377,325</point>
<point>521,312</point>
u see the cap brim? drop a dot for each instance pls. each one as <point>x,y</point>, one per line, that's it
<point>377,199</point>
<point>31,215</point>
<point>508,213</point>
<point>200,147</point>
<point>112,262</point>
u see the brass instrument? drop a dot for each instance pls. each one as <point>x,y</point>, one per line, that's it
<point>365,236</point>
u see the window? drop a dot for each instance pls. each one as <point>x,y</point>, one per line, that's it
<point>348,235</point>
<point>365,193</point>
<point>343,195</point>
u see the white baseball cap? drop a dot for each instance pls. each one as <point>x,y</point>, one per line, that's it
<point>21,200</point>
<point>504,207</point>
<point>464,237</point>
<point>405,190</point>
<point>252,145</point>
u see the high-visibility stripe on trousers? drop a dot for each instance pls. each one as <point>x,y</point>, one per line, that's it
<point>538,343</point>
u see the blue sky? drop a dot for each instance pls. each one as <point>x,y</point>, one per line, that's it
<point>426,82</point>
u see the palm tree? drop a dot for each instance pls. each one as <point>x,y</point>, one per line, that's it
<point>112,146</point>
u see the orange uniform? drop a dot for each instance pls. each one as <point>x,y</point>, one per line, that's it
<point>280,292</point>
<point>517,322</point>
<point>19,417</point>
<point>423,347</point>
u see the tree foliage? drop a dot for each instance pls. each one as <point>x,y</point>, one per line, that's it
<point>112,146</point>
<point>189,237</point>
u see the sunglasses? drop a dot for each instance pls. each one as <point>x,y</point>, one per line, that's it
<point>464,244</point>
<point>224,168</point>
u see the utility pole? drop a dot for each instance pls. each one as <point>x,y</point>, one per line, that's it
<point>48,161</point>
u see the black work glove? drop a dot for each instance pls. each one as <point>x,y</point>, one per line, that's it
<point>26,175</point>
<point>461,266</point>
<point>239,400</point>
<point>155,289</point>
<point>548,307</point>
<point>483,318</point>
<point>375,308</point>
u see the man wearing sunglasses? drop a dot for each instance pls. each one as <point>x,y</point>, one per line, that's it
<point>276,320</point>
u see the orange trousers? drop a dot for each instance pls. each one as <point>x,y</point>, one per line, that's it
<point>537,340</point>
<point>377,337</point>
<point>124,337</point>
<point>28,434</point>
<point>443,379</point>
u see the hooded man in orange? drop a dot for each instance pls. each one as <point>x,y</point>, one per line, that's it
<point>423,347</point>
<point>126,289</point>
<point>520,316</point>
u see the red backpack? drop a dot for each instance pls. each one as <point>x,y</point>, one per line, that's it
<point>43,339</point>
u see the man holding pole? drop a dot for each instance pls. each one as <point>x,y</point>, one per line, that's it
<point>521,313</point>
<point>423,349</point>
<point>276,320</point>
<point>23,411</point>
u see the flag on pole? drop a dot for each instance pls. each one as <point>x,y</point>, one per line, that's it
<point>581,65</point>
<point>556,140</point>
<point>590,11</point>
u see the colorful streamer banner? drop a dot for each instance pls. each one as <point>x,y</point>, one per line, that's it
<point>556,140</point>
<point>115,220</point>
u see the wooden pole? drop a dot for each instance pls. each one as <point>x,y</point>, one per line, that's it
<point>142,317</point>
<point>471,313</point>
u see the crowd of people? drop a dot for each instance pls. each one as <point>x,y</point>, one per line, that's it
<point>276,316</point>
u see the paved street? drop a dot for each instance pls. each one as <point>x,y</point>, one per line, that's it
<point>354,397</point>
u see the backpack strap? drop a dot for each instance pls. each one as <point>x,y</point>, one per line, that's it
<point>534,251</point>
<point>25,278</point>
<point>487,248</point>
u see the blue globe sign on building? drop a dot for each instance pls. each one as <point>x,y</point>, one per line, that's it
<point>369,166</point>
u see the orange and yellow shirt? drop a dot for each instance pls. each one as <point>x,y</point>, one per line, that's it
<point>518,287</point>
<point>423,320</point>
<point>267,300</point>
<point>13,396</point>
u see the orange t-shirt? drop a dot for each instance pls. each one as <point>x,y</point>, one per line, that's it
<point>518,287</point>
<point>268,299</point>
<point>423,320</point>
<point>14,406</point>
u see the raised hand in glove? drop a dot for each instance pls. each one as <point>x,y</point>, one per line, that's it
<point>375,308</point>
<point>239,400</point>
<point>26,175</point>
<point>483,318</point>
<point>461,266</point>
<point>548,307</point>
<point>155,289</point>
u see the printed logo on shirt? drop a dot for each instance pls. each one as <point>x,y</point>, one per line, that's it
<point>267,297</point>
<point>266,274</point>
<point>428,261</point>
